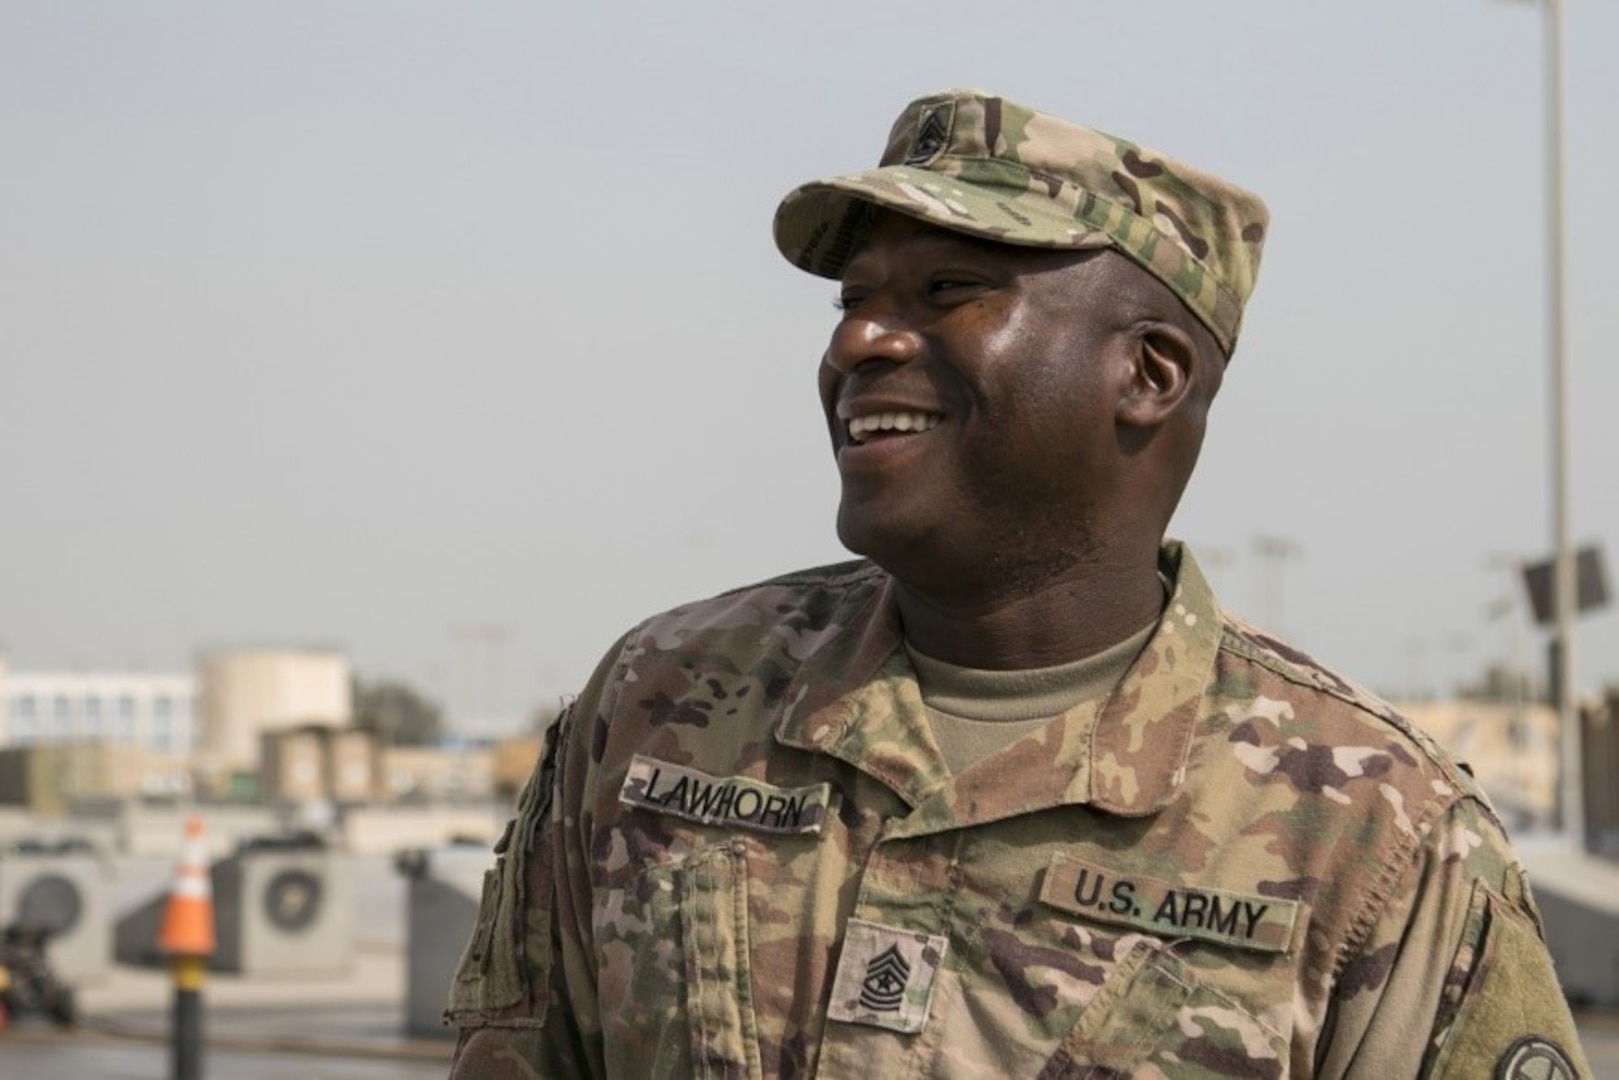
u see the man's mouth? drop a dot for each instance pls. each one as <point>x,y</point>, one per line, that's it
<point>873,425</point>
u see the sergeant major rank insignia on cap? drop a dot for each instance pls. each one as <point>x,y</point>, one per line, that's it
<point>932,134</point>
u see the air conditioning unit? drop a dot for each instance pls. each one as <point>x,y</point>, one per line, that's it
<point>63,890</point>
<point>444,888</point>
<point>284,910</point>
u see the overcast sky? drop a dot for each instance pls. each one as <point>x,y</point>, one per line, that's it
<point>382,324</point>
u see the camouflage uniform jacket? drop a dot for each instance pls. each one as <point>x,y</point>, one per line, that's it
<point>741,855</point>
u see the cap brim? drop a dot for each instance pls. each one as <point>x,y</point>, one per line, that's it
<point>820,225</point>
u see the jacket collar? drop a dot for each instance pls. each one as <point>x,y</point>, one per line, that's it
<point>857,699</point>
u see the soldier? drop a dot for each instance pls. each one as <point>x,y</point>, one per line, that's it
<point>1010,796</point>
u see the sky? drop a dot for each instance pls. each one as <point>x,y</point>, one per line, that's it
<point>453,336</point>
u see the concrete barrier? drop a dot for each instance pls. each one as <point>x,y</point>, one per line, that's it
<point>383,830</point>
<point>65,893</point>
<point>444,887</point>
<point>284,911</point>
<point>1578,897</point>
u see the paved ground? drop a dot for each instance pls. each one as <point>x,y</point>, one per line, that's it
<point>344,1027</point>
<point>46,1055</point>
<point>349,1027</point>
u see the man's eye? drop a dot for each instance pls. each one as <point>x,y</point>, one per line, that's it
<point>846,301</point>
<point>951,288</point>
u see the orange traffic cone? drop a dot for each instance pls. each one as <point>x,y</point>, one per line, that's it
<point>187,935</point>
<point>188,919</point>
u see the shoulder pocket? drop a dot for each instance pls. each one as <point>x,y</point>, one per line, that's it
<point>504,973</point>
<point>1155,1012</point>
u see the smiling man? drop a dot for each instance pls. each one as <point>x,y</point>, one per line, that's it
<point>1010,796</point>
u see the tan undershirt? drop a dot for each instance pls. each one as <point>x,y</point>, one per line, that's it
<point>976,713</point>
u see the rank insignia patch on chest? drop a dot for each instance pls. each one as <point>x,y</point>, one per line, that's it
<point>884,987</point>
<point>723,800</point>
<point>1170,909</point>
<point>886,976</point>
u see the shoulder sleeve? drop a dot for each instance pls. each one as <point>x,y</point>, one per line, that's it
<point>524,993</point>
<point>1453,977</point>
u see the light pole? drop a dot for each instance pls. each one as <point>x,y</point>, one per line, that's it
<point>1568,718</point>
<point>1571,785</point>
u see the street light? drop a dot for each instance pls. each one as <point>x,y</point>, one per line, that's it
<point>1572,775</point>
<point>1568,692</point>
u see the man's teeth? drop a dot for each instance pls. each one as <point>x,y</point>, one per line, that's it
<point>861,427</point>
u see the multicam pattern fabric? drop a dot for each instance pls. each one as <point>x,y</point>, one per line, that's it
<point>1296,882</point>
<point>978,164</point>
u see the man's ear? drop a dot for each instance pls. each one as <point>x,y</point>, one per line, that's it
<point>1162,358</point>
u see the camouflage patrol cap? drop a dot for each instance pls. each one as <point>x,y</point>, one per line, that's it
<point>974,163</point>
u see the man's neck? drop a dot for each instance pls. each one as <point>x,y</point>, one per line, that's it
<point>1076,614</point>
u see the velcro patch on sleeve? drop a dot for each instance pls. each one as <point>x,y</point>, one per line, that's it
<point>1511,1022</point>
<point>1170,909</point>
<point>731,800</point>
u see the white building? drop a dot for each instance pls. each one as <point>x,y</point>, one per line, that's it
<point>154,711</point>
<point>245,693</point>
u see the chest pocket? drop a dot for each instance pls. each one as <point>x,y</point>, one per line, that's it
<point>1155,1011</point>
<point>677,935</point>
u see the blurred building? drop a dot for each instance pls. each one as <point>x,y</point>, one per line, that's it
<point>1600,758</point>
<point>319,762</point>
<point>512,763</point>
<point>462,772</point>
<point>244,694</point>
<point>51,777</point>
<point>1511,749</point>
<point>430,774</point>
<point>154,711</point>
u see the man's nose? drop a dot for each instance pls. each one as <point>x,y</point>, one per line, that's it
<point>872,333</point>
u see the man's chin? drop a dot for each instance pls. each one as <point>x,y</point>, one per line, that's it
<point>892,544</point>
<point>863,536</point>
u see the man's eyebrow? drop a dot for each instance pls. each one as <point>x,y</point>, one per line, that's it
<point>953,242</point>
<point>943,249</point>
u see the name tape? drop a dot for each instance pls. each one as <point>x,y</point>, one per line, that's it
<point>731,800</point>
<point>1170,909</point>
